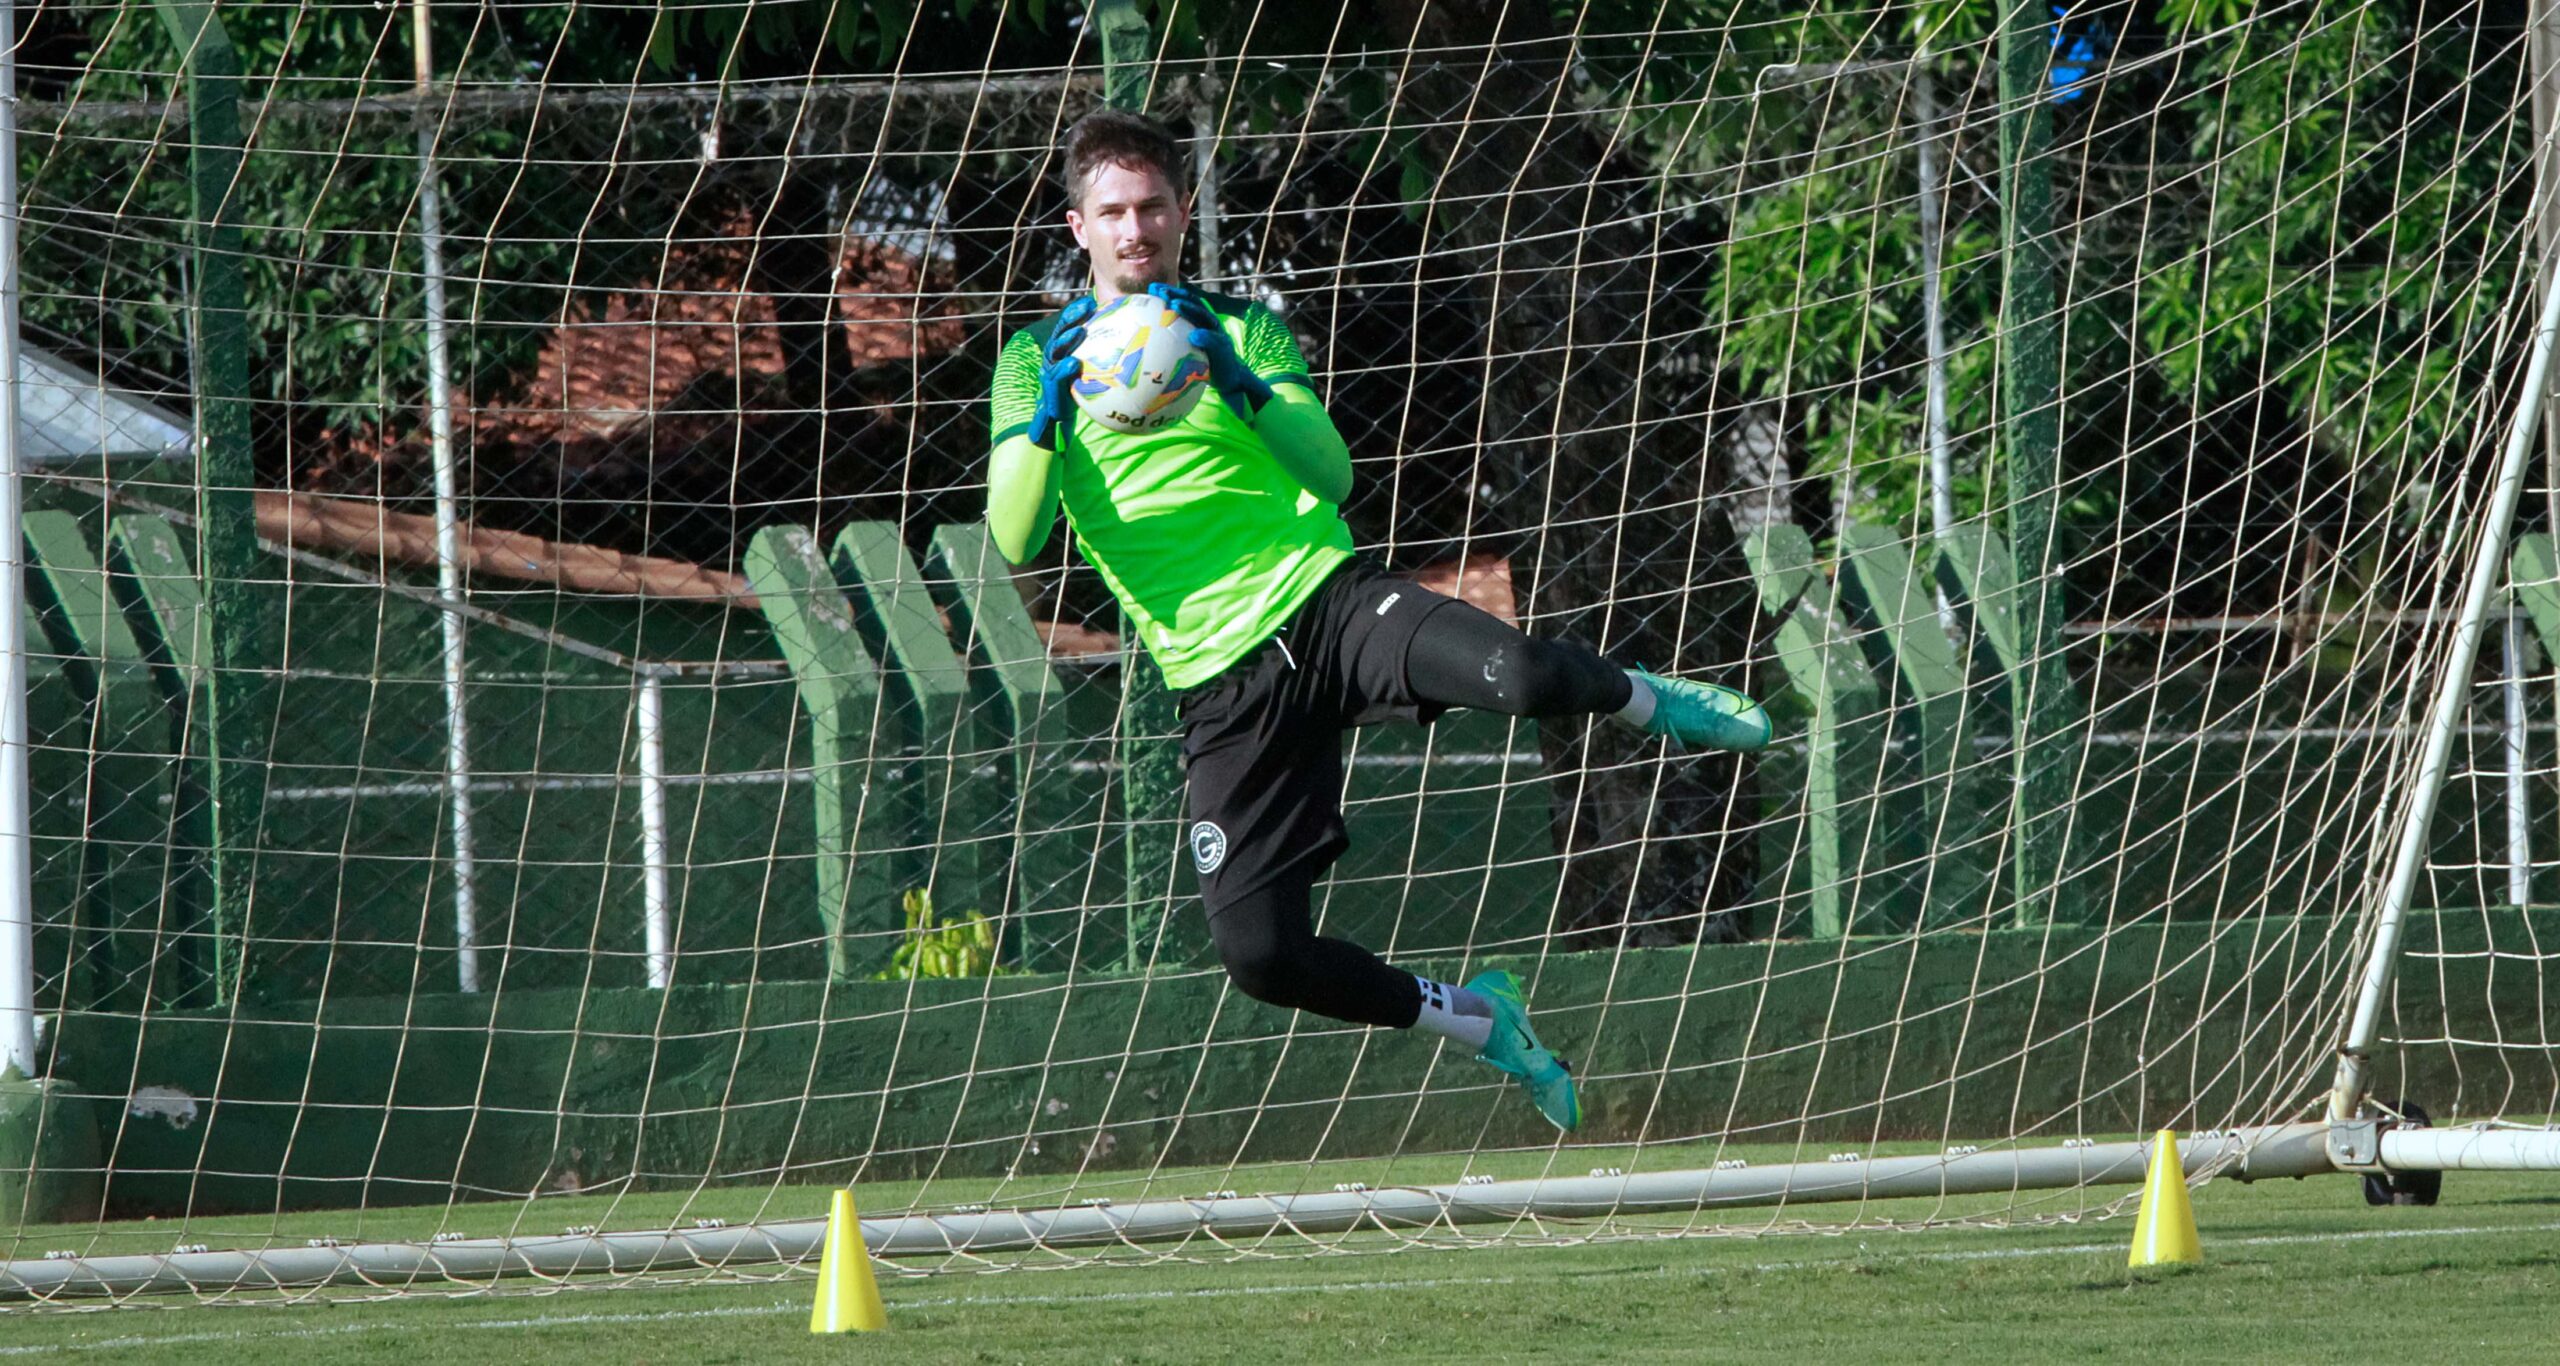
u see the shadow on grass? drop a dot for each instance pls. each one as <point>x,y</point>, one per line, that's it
<point>2437,1266</point>
<point>2137,1278</point>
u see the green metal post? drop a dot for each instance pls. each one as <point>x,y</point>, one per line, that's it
<point>120,931</point>
<point>1019,706</point>
<point>840,689</point>
<point>1939,812</point>
<point>1842,755</point>
<point>2031,432</point>
<point>246,631</point>
<point>164,604</point>
<point>1128,52</point>
<point>1844,728</point>
<point>1151,793</point>
<point>945,804</point>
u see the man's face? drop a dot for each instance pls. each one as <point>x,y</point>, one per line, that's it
<point>1130,222</point>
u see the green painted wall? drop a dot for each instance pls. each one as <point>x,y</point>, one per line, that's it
<point>400,1099</point>
<point>51,1170</point>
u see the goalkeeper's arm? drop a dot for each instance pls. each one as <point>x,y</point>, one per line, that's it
<point>1302,438</point>
<point>1031,412</point>
<point>1264,379</point>
<point>1022,497</point>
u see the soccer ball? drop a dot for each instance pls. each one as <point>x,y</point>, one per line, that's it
<point>1141,372</point>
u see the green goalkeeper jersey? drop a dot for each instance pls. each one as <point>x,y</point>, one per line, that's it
<point>1206,541</point>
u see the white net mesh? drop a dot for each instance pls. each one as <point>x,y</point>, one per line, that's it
<point>2099,634</point>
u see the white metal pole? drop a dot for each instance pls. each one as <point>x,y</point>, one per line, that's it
<point>1914,71</point>
<point>17,828</point>
<point>2469,1150</point>
<point>2543,47</point>
<point>1942,497</point>
<point>1204,209</point>
<point>2293,1150</point>
<point>457,725</point>
<point>2488,564</point>
<point>653,830</point>
<point>2519,787</point>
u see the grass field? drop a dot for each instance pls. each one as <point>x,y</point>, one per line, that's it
<point>2294,1269</point>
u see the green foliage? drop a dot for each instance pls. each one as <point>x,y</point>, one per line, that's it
<point>728,35</point>
<point>950,948</point>
<point>328,210</point>
<point>2344,254</point>
<point>535,209</point>
<point>1818,295</point>
<point>2304,209</point>
<point>2304,205</point>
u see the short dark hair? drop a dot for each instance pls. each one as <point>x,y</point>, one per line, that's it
<point>1116,137</point>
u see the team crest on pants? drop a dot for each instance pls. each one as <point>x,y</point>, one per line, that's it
<point>1208,847</point>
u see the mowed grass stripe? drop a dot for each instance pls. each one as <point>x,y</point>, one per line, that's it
<point>1204,1318</point>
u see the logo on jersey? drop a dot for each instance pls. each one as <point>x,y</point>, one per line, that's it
<point>1208,847</point>
<point>1389,602</point>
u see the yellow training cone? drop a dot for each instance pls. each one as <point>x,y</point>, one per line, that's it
<point>2165,1230</point>
<point>848,1299</point>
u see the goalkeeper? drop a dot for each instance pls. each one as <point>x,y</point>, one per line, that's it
<point>1221,537</point>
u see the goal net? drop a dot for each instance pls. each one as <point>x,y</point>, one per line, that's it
<point>537,769</point>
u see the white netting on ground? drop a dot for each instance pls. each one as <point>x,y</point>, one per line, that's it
<point>2099,613</point>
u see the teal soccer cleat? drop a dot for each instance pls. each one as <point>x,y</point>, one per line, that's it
<point>1513,1049</point>
<point>1704,716</point>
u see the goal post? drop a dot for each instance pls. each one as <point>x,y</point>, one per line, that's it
<point>2488,572</point>
<point>17,828</point>
<point>2290,1151</point>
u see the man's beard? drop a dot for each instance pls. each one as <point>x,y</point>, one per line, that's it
<point>1135,279</point>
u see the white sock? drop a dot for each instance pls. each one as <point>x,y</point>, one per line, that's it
<point>1639,708</point>
<point>1454,1013</point>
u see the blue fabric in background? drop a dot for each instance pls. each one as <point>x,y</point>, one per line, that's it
<point>2079,51</point>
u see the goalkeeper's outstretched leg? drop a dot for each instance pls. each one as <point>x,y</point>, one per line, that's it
<point>1464,657</point>
<point>1262,756</point>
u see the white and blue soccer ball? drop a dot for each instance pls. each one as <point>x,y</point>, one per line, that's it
<point>1141,372</point>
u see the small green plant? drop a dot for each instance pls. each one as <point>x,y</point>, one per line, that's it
<point>948,948</point>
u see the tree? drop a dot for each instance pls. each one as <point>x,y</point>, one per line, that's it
<point>2278,310</point>
<point>549,199</point>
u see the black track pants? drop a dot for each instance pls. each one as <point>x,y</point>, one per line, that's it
<point>1463,657</point>
<point>1267,941</point>
<point>1262,761</point>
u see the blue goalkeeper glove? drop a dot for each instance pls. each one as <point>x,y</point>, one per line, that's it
<point>1058,370</point>
<point>1235,381</point>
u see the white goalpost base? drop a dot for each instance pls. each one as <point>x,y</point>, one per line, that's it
<point>2289,1150</point>
<point>2473,1148</point>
